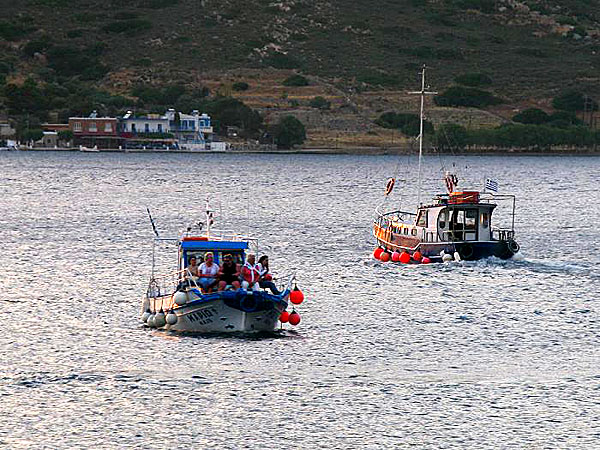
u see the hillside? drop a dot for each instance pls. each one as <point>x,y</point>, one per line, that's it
<point>360,56</point>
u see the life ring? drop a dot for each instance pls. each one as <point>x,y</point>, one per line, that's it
<point>466,251</point>
<point>389,187</point>
<point>513,246</point>
<point>248,303</point>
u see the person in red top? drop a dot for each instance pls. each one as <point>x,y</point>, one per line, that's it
<point>250,274</point>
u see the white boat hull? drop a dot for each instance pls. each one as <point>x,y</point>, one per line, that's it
<point>214,316</point>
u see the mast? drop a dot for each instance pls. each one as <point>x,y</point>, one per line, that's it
<point>423,92</point>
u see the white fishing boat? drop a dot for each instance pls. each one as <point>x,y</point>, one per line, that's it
<point>178,301</point>
<point>456,225</point>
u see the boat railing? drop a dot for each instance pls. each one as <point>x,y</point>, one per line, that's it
<point>167,284</point>
<point>386,219</point>
<point>224,235</point>
<point>503,234</point>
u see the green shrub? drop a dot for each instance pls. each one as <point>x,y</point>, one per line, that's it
<point>378,79</point>
<point>474,79</point>
<point>71,61</point>
<point>574,100</point>
<point>451,136</point>
<point>319,103</point>
<point>240,86</point>
<point>295,80</point>
<point>408,124</point>
<point>12,31</point>
<point>71,34</point>
<point>281,61</point>
<point>36,46</point>
<point>288,132</point>
<point>128,26</point>
<point>563,119</point>
<point>143,62</point>
<point>32,135</point>
<point>65,135</point>
<point>464,96</point>
<point>485,6</point>
<point>534,116</point>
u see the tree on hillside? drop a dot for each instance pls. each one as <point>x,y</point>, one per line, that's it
<point>534,116</point>
<point>464,96</point>
<point>451,136</point>
<point>288,132</point>
<point>574,101</point>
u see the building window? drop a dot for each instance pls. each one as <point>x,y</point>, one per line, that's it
<point>92,127</point>
<point>133,127</point>
<point>147,127</point>
<point>160,128</point>
<point>76,126</point>
<point>108,128</point>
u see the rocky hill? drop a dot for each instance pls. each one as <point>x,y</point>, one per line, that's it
<point>359,56</point>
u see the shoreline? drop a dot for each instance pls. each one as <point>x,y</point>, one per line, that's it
<point>367,151</point>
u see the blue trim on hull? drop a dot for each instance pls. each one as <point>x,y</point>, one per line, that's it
<point>243,300</point>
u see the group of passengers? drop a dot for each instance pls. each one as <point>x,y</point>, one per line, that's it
<point>250,275</point>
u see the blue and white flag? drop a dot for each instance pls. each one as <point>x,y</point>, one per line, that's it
<point>491,185</point>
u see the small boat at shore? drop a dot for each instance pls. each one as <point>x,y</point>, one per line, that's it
<point>456,225</point>
<point>179,301</point>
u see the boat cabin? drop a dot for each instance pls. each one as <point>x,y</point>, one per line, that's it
<point>198,246</point>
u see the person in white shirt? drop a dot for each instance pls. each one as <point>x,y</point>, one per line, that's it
<point>207,271</point>
<point>250,274</point>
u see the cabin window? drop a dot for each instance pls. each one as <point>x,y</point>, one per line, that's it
<point>458,217</point>
<point>470,219</point>
<point>406,231</point>
<point>422,219</point>
<point>485,219</point>
<point>413,231</point>
<point>443,218</point>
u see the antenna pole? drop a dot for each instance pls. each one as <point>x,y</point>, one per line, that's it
<point>208,218</point>
<point>421,134</point>
<point>422,93</point>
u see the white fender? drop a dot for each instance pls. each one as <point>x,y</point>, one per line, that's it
<point>447,258</point>
<point>150,321</point>
<point>159,319</point>
<point>180,298</point>
<point>171,318</point>
<point>457,256</point>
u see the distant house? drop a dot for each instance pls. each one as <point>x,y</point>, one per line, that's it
<point>49,140</point>
<point>132,125</point>
<point>192,130</point>
<point>6,130</point>
<point>95,131</point>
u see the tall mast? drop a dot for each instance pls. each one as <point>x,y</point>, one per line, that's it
<point>422,93</point>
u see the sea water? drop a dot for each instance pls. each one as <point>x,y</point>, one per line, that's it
<point>488,354</point>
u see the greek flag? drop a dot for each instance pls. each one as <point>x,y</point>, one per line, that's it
<point>491,185</point>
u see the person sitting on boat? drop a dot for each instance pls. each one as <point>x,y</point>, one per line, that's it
<point>207,271</point>
<point>250,274</point>
<point>229,275</point>
<point>265,280</point>
<point>192,267</point>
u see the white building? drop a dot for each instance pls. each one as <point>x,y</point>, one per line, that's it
<point>152,123</point>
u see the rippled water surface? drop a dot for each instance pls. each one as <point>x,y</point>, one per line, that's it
<point>491,354</point>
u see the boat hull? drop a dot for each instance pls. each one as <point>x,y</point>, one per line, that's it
<point>468,250</point>
<point>222,312</point>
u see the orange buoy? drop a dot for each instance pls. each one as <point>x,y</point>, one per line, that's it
<point>294,318</point>
<point>425,260</point>
<point>417,256</point>
<point>385,257</point>
<point>395,256</point>
<point>404,258</point>
<point>296,296</point>
<point>377,253</point>
<point>284,317</point>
